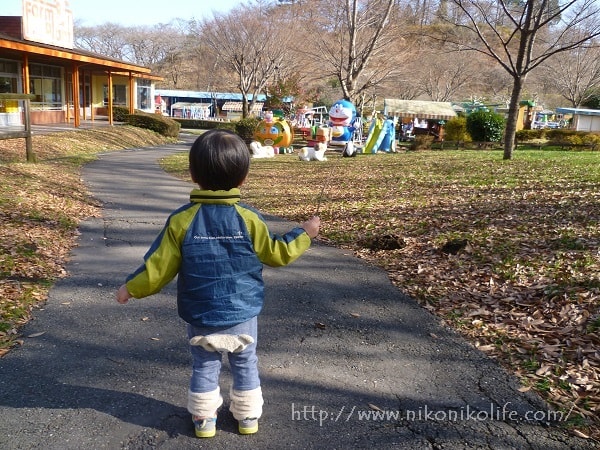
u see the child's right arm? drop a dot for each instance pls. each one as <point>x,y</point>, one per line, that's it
<point>161,262</point>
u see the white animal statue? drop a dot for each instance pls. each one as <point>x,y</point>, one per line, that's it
<point>349,149</point>
<point>261,151</point>
<point>316,153</point>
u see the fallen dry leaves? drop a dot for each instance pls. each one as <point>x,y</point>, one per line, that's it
<point>506,252</point>
<point>40,211</point>
<point>41,206</point>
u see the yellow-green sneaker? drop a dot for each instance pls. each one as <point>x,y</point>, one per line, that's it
<point>205,426</point>
<point>249,425</point>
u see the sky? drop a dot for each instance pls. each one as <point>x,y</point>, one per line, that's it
<point>132,12</point>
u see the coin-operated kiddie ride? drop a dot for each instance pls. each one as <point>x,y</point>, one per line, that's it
<point>342,115</point>
<point>274,132</point>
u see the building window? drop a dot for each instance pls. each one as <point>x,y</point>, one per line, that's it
<point>45,82</point>
<point>119,96</point>
<point>9,77</point>
<point>144,94</point>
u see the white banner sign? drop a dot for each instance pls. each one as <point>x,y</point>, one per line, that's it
<point>48,22</point>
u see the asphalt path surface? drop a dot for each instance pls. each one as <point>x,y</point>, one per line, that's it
<point>347,361</point>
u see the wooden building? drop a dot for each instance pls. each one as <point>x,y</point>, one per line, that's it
<point>68,84</point>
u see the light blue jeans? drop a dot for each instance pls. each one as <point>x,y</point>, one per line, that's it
<point>207,365</point>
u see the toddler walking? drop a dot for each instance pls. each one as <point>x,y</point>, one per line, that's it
<point>217,246</point>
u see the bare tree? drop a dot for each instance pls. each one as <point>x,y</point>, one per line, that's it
<point>444,74</point>
<point>148,46</point>
<point>354,41</point>
<point>420,12</point>
<point>493,82</point>
<point>109,39</point>
<point>251,41</point>
<point>520,36</point>
<point>575,75</point>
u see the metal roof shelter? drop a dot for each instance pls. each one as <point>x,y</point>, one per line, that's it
<point>229,96</point>
<point>418,109</point>
<point>583,119</point>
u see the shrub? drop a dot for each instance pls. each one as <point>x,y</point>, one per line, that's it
<point>583,139</point>
<point>456,130</point>
<point>592,140</point>
<point>530,135</point>
<point>558,134</point>
<point>572,138</point>
<point>155,122</point>
<point>200,124</point>
<point>485,126</point>
<point>120,113</point>
<point>561,136</point>
<point>246,128</point>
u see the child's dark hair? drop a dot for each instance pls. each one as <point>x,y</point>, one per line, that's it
<point>219,160</point>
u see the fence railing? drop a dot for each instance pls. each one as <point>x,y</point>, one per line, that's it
<point>9,131</point>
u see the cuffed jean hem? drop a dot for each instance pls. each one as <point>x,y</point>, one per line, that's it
<point>204,404</point>
<point>246,404</point>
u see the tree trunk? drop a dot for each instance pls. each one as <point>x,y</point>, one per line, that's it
<point>513,117</point>
<point>245,109</point>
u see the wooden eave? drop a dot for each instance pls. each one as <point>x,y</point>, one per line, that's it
<point>66,54</point>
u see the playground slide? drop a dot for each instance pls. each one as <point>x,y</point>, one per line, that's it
<point>375,137</point>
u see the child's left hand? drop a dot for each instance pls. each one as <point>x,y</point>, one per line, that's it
<point>123,295</point>
<point>311,226</point>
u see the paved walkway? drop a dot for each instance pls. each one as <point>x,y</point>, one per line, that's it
<point>347,361</point>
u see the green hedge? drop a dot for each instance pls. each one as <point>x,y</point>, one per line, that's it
<point>562,137</point>
<point>572,138</point>
<point>530,135</point>
<point>155,122</point>
<point>245,128</point>
<point>120,113</point>
<point>558,136</point>
<point>198,124</point>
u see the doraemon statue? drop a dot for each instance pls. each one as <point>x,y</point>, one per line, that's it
<point>341,118</point>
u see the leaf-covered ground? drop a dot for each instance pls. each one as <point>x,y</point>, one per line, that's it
<point>506,252</point>
<point>41,206</point>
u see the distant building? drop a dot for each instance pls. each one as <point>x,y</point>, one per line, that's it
<point>583,119</point>
<point>180,103</point>
<point>37,57</point>
<point>419,116</point>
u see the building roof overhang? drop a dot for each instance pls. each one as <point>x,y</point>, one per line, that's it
<point>81,57</point>
<point>579,111</point>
